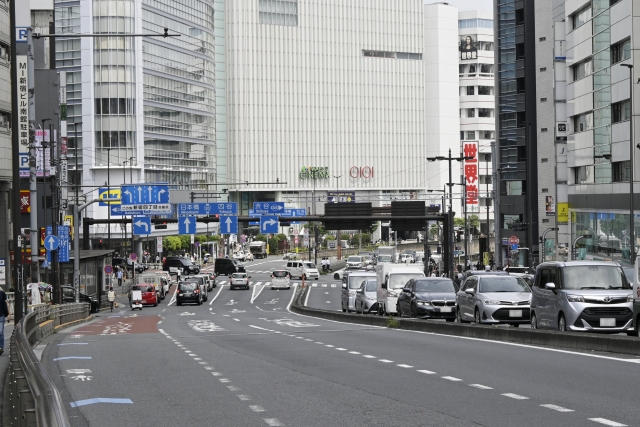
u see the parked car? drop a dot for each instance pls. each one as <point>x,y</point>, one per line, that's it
<point>366,297</point>
<point>239,280</point>
<point>280,279</point>
<point>181,263</point>
<point>226,266</point>
<point>290,255</point>
<point>188,292</point>
<point>582,296</point>
<point>69,296</point>
<point>430,297</point>
<point>494,299</point>
<point>355,261</point>
<point>149,294</point>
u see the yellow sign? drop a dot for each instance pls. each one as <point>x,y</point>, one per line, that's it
<point>485,256</point>
<point>68,220</point>
<point>105,194</point>
<point>563,212</point>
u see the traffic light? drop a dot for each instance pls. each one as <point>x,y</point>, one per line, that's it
<point>162,226</point>
<point>285,223</point>
<point>458,236</point>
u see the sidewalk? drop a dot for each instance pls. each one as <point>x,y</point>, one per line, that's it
<point>4,368</point>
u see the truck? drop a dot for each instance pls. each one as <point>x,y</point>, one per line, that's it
<point>258,249</point>
<point>386,254</point>
<point>391,280</point>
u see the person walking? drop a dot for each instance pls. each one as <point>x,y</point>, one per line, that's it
<point>111,296</point>
<point>119,277</point>
<point>157,260</point>
<point>5,315</point>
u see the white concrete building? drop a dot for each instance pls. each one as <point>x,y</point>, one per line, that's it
<point>363,91</point>
<point>477,108</point>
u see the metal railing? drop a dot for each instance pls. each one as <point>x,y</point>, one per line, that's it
<point>34,398</point>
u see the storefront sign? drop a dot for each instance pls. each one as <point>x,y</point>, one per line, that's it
<point>25,201</point>
<point>314,172</point>
<point>23,100</point>
<point>563,213</point>
<point>470,149</point>
<point>361,172</point>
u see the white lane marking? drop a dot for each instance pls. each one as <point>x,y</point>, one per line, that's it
<point>515,396</point>
<point>209,368</point>
<point>557,408</point>
<point>258,327</point>
<point>225,380</point>
<point>341,349</point>
<point>159,322</point>
<point>368,356</point>
<point>451,378</point>
<point>293,294</point>
<point>237,320</point>
<point>203,363</point>
<point>308,339</point>
<point>328,302</point>
<point>219,290</point>
<point>354,352</point>
<point>314,286</point>
<point>484,387</point>
<point>318,342</point>
<point>404,366</point>
<point>243,397</point>
<point>197,358</point>
<point>253,294</point>
<point>173,297</point>
<point>385,361</point>
<point>216,374</point>
<point>306,299</point>
<point>273,422</point>
<point>79,371</point>
<point>233,388</point>
<point>607,422</point>
<point>329,345</point>
<point>300,338</point>
<point>164,309</point>
<point>256,408</point>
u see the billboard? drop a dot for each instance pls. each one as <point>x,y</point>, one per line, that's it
<point>470,149</point>
<point>468,47</point>
<point>550,205</point>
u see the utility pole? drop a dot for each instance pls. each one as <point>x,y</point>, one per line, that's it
<point>33,156</point>
<point>497,226</point>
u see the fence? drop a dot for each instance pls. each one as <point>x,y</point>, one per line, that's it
<point>33,397</point>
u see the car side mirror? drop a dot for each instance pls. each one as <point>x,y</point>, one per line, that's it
<point>344,286</point>
<point>469,291</point>
<point>359,291</point>
<point>408,290</point>
<point>384,286</point>
<point>550,286</point>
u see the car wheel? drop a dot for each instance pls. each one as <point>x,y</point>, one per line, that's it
<point>534,321</point>
<point>156,303</point>
<point>562,323</point>
<point>414,311</point>
<point>272,288</point>
<point>336,276</point>
<point>477,317</point>
<point>399,311</point>
<point>178,303</point>
<point>515,325</point>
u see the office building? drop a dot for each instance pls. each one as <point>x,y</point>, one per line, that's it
<point>6,166</point>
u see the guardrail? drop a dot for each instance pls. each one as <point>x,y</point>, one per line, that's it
<point>33,396</point>
<point>581,341</point>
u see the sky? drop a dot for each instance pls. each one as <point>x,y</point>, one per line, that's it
<point>469,4</point>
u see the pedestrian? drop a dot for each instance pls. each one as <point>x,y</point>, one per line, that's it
<point>157,259</point>
<point>111,296</point>
<point>304,277</point>
<point>119,277</point>
<point>5,315</point>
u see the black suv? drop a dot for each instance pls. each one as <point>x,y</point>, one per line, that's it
<point>69,296</point>
<point>181,262</point>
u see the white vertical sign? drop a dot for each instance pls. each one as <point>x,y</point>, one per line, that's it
<point>159,244</point>
<point>23,100</point>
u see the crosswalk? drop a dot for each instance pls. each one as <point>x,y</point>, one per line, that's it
<point>313,285</point>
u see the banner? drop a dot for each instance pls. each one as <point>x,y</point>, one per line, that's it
<point>470,149</point>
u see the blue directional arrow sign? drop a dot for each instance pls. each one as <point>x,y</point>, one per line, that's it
<point>187,225</point>
<point>269,224</point>
<point>229,208</point>
<point>63,236</point>
<point>294,213</point>
<point>141,225</point>
<point>268,208</point>
<point>51,242</point>
<point>144,194</point>
<point>228,224</point>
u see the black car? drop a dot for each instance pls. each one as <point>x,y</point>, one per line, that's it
<point>188,293</point>
<point>183,263</point>
<point>227,266</point>
<point>429,297</point>
<point>69,296</point>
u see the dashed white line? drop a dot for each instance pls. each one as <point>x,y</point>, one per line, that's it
<point>256,408</point>
<point>233,388</point>
<point>318,342</point>
<point>483,387</point>
<point>308,339</point>
<point>515,396</point>
<point>354,352</point>
<point>404,366</point>
<point>341,349</point>
<point>306,299</point>
<point>368,356</point>
<point>329,345</point>
<point>273,422</point>
<point>225,380</point>
<point>216,374</point>
<point>557,408</point>
<point>385,361</point>
<point>197,358</point>
<point>451,379</point>
<point>243,397</point>
<point>607,422</point>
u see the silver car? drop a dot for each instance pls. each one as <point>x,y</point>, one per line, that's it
<point>367,296</point>
<point>280,279</point>
<point>582,296</point>
<point>239,280</point>
<point>351,285</point>
<point>493,299</point>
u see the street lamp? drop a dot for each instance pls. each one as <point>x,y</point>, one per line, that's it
<point>632,244</point>
<point>573,246</point>
<point>450,219</point>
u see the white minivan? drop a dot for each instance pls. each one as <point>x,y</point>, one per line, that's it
<point>298,268</point>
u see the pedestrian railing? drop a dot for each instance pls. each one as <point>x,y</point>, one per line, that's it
<point>33,396</point>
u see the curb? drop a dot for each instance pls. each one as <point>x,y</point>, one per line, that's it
<point>66,325</point>
<point>564,340</point>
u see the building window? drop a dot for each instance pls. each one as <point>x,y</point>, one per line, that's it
<point>509,155</point>
<point>545,190</point>
<point>471,135</point>
<point>545,220</point>
<point>515,188</point>
<point>544,160</point>
<point>543,69</point>
<point>582,69</point>
<point>486,68</point>
<point>582,16</point>
<point>470,90</point>
<point>407,55</point>
<point>485,112</point>
<point>509,220</point>
<point>543,130</point>
<point>486,134</point>
<point>621,171</point>
<point>582,122</point>
<point>279,12</point>
<point>543,99</point>
<point>621,51</point>
<point>475,23</point>
<point>397,55</point>
<point>543,39</point>
<point>471,112</point>
<point>461,134</point>
<point>485,90</point>
<point>621,111</point>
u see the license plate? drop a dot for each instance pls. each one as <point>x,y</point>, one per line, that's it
<point>515,313</point>
<point>607,323</point>
<point>446,309</point>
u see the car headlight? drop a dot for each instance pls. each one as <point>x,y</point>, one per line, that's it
<point>392,294</point>
<point>423,302</point>
<point>575,298</point>
<point>630,298</point>
<point>491,302</point>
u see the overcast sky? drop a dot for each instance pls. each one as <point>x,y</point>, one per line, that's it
<point>469,4</point>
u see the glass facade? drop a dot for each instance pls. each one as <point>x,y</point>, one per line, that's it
<point>609,236</point>
<point>219,29</point>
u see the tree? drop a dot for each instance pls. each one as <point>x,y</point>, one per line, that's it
<point>260,238</point>
<point>345,237</point>
<point>458,222</point>
<point>355,240</point>
<point>172,243</point>
<point>474,221</point>
<point>435,231</point>
<point>215,238</point>
<point>186,241</point>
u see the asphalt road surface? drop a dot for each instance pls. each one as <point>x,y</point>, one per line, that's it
<point>242,359</point>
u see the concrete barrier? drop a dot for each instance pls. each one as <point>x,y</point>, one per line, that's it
<point>565,340</point>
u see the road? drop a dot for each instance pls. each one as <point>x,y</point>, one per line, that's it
<point>242,359</point>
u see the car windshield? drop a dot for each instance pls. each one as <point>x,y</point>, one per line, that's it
<point>371,286</point>
<point>397,281</point>
<point>384,258</point>
<point>355,281</point>
<point>279,273</point>
<point>309,265</point>
<point>238,276</point>
<point>186,261</point>
<point>628,273</point>
<point>502,284</point>
<point>594,277</point>
<point>354,259</point>
<point>434,286</point>
<point>187,286</point>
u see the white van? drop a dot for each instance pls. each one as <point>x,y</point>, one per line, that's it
<point>298,268</point>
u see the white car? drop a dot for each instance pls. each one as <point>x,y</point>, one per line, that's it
<point>290,255</point>
<point>355,261</point>
<point>280,279</point>
<point>406,259</point>
<point>248,256</point>
<point>239,280</point>
<point>240,256</point>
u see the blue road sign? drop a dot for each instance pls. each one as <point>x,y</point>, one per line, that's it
<point>142,194</point>
<point>48,231</point>
<point>514,246</point>
<point>63,236</point>
<point>294,213</point>
<point>228,224</point>
<point>252,213</point>
<point>51,242</point>
<point>187,225</point>
<point>228,208</point>
<point>117,210</point>
<point>142,225</point>
<point>268,208</point>
<point>269,224</point>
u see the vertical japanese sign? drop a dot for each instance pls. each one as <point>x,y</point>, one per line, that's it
<point>25,201</point>
<point>470,149</point>
<point>23,100</point>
